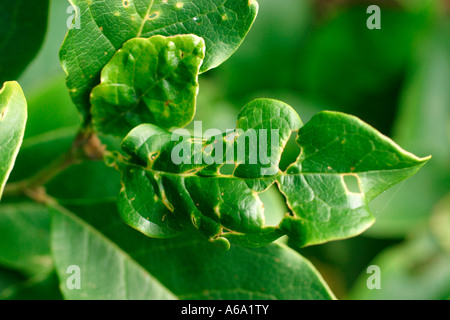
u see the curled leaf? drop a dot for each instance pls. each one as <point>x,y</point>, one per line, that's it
<point>151,80</point>
<point>343,164</point>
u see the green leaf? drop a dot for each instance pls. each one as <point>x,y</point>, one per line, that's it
<point>152,80</point>
<point>106,25</point>
<point>13,286</point>
<point>121,276</point>
<point>52,125</point>
<point>116,262</point>
<point>344,163</point>
<point>158,202</point>
<point>13,117</point>
<point>266,64</point>
<point>25,240</point>
<point>22,32</point>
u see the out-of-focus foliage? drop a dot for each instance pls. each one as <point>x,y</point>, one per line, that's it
<point>22,30</point>
<point>26,269</point>
<point>422,126</point>
<point>417,268</point>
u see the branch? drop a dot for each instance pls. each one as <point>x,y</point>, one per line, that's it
<point>86,147</point>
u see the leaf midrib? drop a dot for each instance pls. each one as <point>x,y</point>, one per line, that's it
<point>144,20</point>
<point>280,174</point>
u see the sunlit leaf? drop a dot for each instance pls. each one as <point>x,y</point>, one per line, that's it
<point>13,117</point>
<point>104,26</point>
<point>344,164</point>
<point>150,80</point>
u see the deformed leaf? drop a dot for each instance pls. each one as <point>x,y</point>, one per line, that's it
<point>39,287</point>
<point>13,117</point>
<point>9,280</point>
<point>102,27</point>
<point>168,190</point>
<point>152,80</point>
<point>344,163</point>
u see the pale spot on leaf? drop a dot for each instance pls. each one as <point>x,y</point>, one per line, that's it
<point>153,15</point>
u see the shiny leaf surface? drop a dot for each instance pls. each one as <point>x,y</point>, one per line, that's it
<point>13,117</point>
<point>150,80</point>
<point>174,182</point>
<point>104,26</point>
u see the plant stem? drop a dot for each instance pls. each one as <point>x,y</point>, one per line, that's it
<point>86,146</point>
<point>41,177</point>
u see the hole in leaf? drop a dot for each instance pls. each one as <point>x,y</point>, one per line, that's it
<point>351,183</point>
<point>274,206</point>
<point>291,152</point>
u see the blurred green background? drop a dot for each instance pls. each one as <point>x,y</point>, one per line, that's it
<point>315,55</point>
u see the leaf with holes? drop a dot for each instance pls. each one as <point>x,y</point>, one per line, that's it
<point>174,182</point>
<point>13,117</point>
<point>150,80</point>
<point>102,27</point>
